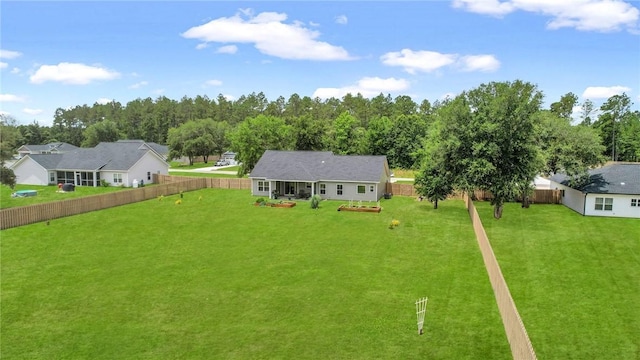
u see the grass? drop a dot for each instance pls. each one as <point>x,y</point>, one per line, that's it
<point>217,277</point>
<point>211,174</point>
<point>404,173</point>
<point>47,194</point>
<point>196,165</point>
<point>575,279</point>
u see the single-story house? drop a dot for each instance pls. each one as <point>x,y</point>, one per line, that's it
<point>51,148</point>
<point>306,173</point>
<point>612,190</point>
<point>120,163</point>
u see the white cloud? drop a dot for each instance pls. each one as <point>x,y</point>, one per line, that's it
<point>4,113</point>
<point>488,7</point>
<point>11,98</point>
<point>213,82</point>
<point>603,92</point>
<point>413,61</point>
<point>32,111</point>
<point>368,87</point>
<point>103,101</point>
<point>8,54</point>
<point>138,85</point>
<point>485,63</point>
<point>3,65</point>
<point>584,15</point>
<point>342,19</point>
<point>202,46</point>
<point>428,61</point>
<point>270,35</point>
<point>227,49</point>
<point>72,73</point>
<point>15,70</point>
<point>159,91</point>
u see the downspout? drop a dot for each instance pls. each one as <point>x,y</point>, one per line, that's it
<point>584,205</point>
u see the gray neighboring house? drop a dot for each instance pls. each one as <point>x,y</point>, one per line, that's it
<point>306,173</point>
<point>121,163</point>
<point>51,148</point>
<point>613,190</point>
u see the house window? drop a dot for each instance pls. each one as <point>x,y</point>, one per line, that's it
<point>323,189</point>
<point>605,204</point>
<point>371,188</point>
<point>52,177</point>
<point>263,186</point>
<point>149,175</point>
<point>635,202</point>
<point>117,178</point>
<point>361,189</point>
<point>339,189</point>
<point>608,204</point>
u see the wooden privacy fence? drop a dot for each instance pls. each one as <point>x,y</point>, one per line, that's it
<point>167,185</point>
<point>25,215</point>
<point>521,347</point>
<point>539,196</point>
<point>215,183</point>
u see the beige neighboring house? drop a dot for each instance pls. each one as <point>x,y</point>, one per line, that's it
<point>121,163</point>
<point>306,173</point>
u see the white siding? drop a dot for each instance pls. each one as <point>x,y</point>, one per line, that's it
<point>350,191</point>
<point>621,206</point>
<point>29,172</point>
<point>149,163</point>
<point>571,198</point>
<point>254,188</point>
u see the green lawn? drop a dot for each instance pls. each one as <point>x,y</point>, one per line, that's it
<point>575,279</point>
<point>218,278</point>
<point>47,194</point>
<point>211,174</point>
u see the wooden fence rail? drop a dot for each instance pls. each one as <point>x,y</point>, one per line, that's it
<point>521,347</point>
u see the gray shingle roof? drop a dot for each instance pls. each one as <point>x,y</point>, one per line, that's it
<point>57,146</point>
<point>118,156</point>
<point>47,161</point>
<point>318,166</point>
<point>623,178</point>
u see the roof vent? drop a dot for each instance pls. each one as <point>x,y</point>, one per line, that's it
<point>622,183</point>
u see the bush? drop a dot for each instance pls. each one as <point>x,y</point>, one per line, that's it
<point>104,183</point>
<point>260,201</point>
<point>315,201</point>
<point>7,177</point>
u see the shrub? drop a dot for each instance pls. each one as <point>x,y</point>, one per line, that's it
<point>315,201</point>
<point>260,201</point>
<point>7,177</point>
<point>104,183</point>
<point>394,224</point>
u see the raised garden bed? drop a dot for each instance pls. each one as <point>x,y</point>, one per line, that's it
<point>376,209</point>
<point>284,204</point>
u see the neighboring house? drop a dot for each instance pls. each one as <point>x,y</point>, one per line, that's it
<point>119,163</point>
<point>338,177</point>
<point>612,190</point>
<point>230,157</point>
<point>51,148</point>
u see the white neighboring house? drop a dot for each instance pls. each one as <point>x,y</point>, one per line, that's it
<point>338,177</point>
<point>119,163</point>
<point>612,190</point>
<point>51,148</point>
<point>229,157</point>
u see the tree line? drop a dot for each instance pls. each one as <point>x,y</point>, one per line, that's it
<point>483,130</point>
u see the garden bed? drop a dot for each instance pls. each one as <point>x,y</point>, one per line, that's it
<point>376,209</point>
<point>284,204</point>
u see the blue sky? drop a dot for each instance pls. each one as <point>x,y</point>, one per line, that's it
<point>62,54</point>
